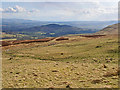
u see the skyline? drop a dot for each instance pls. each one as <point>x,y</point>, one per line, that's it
<point>61,11</point>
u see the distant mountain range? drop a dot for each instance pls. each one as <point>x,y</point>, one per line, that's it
<point>58,30</point>
<point>10,24</point>
<point>52,28</point>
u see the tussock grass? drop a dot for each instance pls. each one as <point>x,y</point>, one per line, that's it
<point>77,63</point>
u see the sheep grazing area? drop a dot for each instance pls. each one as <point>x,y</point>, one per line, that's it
<point>79,62</point>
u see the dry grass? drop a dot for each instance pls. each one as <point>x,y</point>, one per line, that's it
<point>76,63</point>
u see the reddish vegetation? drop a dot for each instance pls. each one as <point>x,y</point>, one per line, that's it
<point>6,43</point>
<point>62,38</point>
<point>93,36</point>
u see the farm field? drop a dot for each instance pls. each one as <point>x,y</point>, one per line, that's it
<point>80,62</point>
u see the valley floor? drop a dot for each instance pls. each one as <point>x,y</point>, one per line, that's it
<point>78,62</point>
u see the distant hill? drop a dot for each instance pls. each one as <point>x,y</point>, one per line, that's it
<point>57,30</point>
<point>42,29</point>
<point>13,25</point>
<point>111,29</point>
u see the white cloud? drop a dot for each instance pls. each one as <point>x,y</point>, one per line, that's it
<point>96,9</point>
<point>81,11</point>
<point>17,9</point>
<point>1,9</point>
<point>34,10</point>
<point>66,11</point>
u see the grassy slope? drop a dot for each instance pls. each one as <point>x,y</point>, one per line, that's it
<point>77,62</point>
<point>111,29</point>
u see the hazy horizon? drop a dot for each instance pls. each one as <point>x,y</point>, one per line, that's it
<point>63,21</point>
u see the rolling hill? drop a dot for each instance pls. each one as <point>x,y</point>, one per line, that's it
<point>79,62</point>
<point>57,30</point>
<point>19,24</point>
<point>30,29</point>
<point>111,29</point>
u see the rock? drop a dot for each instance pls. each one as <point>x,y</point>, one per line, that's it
<point>17,73</point>
<point>118,71</point>
<point>62,53</point>
<point>98,46</point>
<point>105,81</point>
<point>35,74</point>
<point>64,82</point>
<point>10,58</point>
<point>77,73</point>
<point>72,69</point>
<point>107,61</point>
<point>56,64</point>
<point>42,72</point>
<point>20,80</point>
<point>95,60</point>
<point>88,72</point>
<point>82,64</point>
<point>111,59</point>
<point>68,86</point>
<point>54,71</point>
<point>75,67</point>
<point>113,68</point>
<point>11,72</point>
<point>104,66</point>
<point>81,81</point>
<point>96,81</point>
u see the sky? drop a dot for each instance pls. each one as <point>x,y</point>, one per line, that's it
<point>61,11</point>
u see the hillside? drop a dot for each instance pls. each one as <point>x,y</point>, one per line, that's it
<point>77,62</point>
<point>18,24</point>
<point>30,29</point>
<point>111,29</point>
<point>57,30</point>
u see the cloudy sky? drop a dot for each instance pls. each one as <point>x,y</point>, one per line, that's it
<point>61,11</point>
